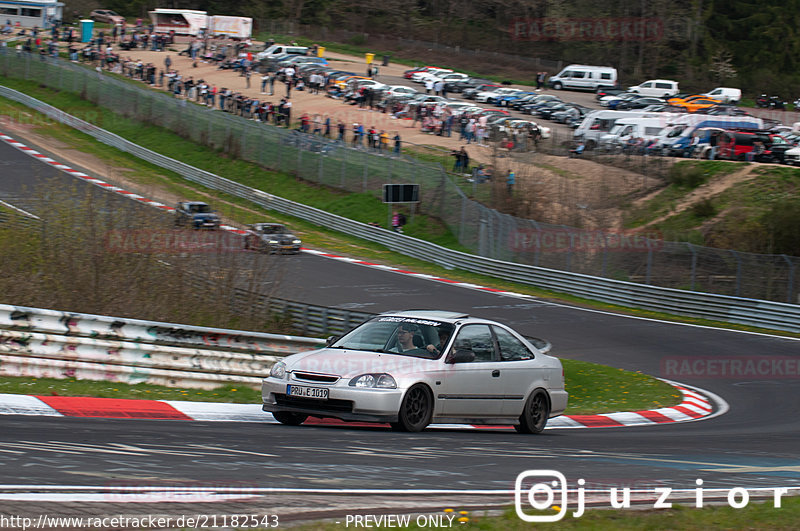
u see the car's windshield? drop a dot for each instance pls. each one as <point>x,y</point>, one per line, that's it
<point>408,336</point>
<point>200,209</point>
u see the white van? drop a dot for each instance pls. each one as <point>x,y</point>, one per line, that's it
<point>280,49</point>
<point>584,77</point>
<point>599,123</point>
<point>725,95</point>
<point>658,88</point>
<point>627,129</point>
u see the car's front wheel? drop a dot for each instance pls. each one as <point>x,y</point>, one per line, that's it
<point>415,411</point>
<point>288,418</point>
<point>534,416</point>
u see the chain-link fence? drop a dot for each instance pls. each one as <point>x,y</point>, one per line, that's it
<point>482,230</point>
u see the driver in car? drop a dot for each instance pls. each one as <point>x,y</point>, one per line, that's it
<point>405,339</point>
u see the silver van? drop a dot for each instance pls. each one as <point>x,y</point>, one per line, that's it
<point>280,49</point>
<point>584,77</point>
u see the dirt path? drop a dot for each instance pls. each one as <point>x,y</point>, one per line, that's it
<point>706,191</point>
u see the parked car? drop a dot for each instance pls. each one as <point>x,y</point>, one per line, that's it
<point>725,94</point>
<point>472,92</point>
<point>638,103</point>
<point>271,238</point>
<point>394,90</point>
<point>413,368</point>
<point>106,15</point>
<point>469,83</point>
<point>607,91</point>
<point>584,77</point>
<point>735,145</point>
<point>489,96</point>
<point>660,88</point>
<point>196,214</point>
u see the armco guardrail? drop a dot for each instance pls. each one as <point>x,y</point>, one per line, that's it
<point>52,344</point>
<point>751,312</point>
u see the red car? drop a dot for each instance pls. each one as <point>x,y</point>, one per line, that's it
<point>735,145</point>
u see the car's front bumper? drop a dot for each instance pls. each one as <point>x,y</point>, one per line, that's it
<point>344,402</point>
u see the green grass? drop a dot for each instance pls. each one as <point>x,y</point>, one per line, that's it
<point>756,515</point>
<point>595,388</point>
<point>686,176</point>
<point>235,393</point>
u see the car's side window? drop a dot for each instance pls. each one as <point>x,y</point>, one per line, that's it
<point>478,339</point>
<point>511,348</point>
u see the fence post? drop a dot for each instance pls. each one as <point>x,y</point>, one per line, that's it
<point>482,229</point>
<point>649,262</point>
<point>694,263</point>
<point>738,272</point>
<point>463,223</point>
<point>344,163</point>
<point>366,169</point>
<point>790,280</point>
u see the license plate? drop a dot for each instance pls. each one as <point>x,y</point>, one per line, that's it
<point>307,392</point>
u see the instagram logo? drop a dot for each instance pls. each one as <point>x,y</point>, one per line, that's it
<point>541,495</point>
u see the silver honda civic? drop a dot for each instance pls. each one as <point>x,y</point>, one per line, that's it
<point>414,368</point>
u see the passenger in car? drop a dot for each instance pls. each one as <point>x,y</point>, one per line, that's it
<point>444,335</point>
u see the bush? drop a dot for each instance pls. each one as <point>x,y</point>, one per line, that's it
<point>686,175</point>
<point>704,209</point>
<point>782,223</point>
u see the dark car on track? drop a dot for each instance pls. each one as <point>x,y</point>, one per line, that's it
<point>271,238</point>
<point>196,214</point>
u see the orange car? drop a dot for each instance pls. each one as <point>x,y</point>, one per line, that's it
<point>685,99</point>
<point>698,104</point>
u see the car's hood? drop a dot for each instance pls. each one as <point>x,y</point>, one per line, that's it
<point>351,363</point>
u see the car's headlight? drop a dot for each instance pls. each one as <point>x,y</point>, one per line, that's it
<point>380,381</point>
<point>278,370</point>
<point>274,242</point>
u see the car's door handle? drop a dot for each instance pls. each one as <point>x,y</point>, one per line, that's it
<point>495,373</point>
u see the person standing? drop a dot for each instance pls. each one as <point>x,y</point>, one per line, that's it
<point>264,80</point>
<point>397,142</point>
<point>510,181</point>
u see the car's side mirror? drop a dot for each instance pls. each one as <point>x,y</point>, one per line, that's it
<point>461,356</point>
<point>331,340</point>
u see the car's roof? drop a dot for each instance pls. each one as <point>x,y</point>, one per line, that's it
<point>441,315</point>
<point>267,225</point>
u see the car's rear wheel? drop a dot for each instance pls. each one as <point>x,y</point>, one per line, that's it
<point>288,418</point>
<point>534,416</point>
<point>415,411</point>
